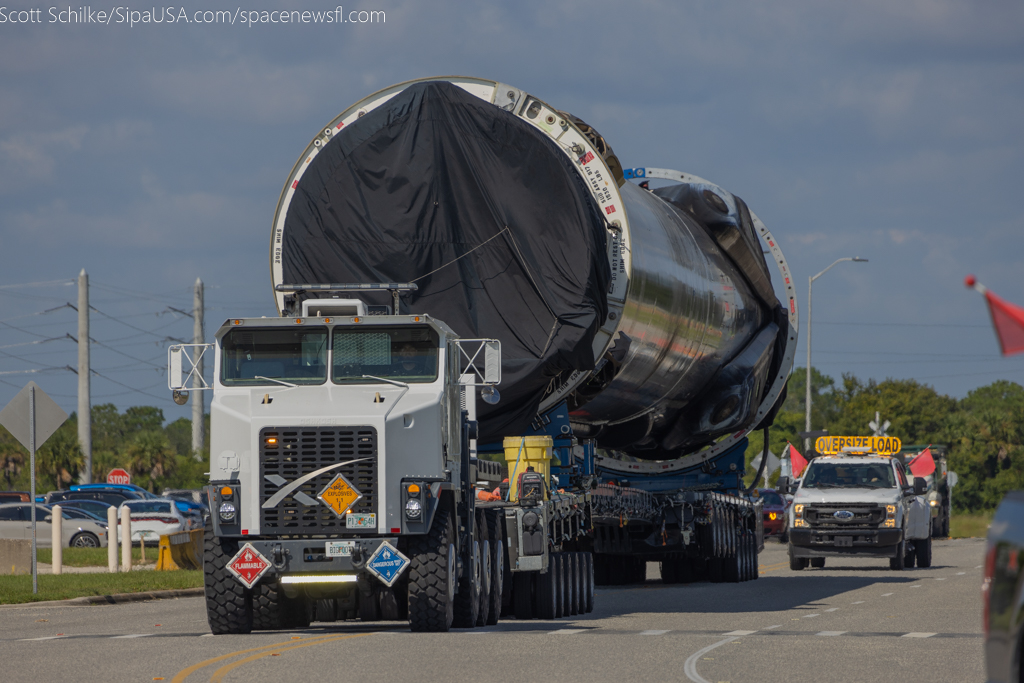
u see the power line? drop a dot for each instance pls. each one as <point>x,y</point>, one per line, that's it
<point>38,284</point>
<point>878,324</point>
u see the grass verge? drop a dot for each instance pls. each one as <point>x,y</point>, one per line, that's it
<point>94,557</point>
<point>970,525</point>
<point>18,589</point>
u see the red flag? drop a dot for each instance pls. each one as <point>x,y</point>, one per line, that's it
<point>799,462</point>
<point>1007,318</point>
<point>923,464</point>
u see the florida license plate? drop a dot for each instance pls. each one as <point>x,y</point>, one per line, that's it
<point>339,548</point>
<point>360,521</point>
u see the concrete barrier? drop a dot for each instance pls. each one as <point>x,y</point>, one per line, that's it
<point>15,556</point>
<point>183,550</point>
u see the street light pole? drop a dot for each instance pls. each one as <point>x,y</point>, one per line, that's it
<point>810,285</point>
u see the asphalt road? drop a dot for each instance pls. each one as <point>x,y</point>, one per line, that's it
<point>852,621</point>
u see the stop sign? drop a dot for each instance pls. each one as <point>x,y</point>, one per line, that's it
<point>118,476</point>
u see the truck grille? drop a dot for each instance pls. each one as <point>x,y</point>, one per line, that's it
<point>298,451</point>
<point>865,515</point>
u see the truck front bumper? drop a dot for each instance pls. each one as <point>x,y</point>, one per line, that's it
<point>840,542</point>
<point>309,555</point>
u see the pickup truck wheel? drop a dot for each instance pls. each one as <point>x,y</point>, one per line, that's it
<point>898,563</point>
<point>908,560</point>
<point>923,551</point>
<point>588,582</point>
<point>796,563</point>
<point>432,577</point>
<point>522,593</point>
<point>228,603</point>
<point>467,598</point>
<point>818,562</point>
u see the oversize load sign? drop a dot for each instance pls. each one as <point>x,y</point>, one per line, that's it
<point>882,445</point>
<point>248,565</point>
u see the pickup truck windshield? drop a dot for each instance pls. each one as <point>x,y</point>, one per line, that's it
<point>295,356</point>
<point>834,475</point>
<point>404,354</point>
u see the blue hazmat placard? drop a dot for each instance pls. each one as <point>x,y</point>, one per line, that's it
<point>387,563</point>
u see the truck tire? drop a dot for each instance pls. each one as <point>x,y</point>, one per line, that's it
<point>369,607</point>
<point>575,583</point>
<point>467,598</point>
<point>501,579</point>
<point>818,562</point>
<point>273,611</point>
<point>393,602</point>
<point>899,562</point>
<point>228,602</point>
<point>588,582</point>
<point>796,563</point>
<point>327,610</point>
<point>923,551</point>
<point>546,594</point>
<point>558,562</point>
<point>432,577</point>
<point>669,570</point>
<point>522,594</point>
<point>908,560</point>
<point>485,583</point>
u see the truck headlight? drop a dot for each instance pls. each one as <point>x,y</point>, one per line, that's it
<point>226,511</point>
<point>413,509</point>
<point>933,503</point>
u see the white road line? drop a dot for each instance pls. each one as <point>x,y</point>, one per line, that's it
<point>831,609</point>
<point>885,595</point>
<point>830,633</point>
<point>808,616</point>
<point>206,635</point>
<point>960,573</point>
<point>133,635</point>
<point>653,633</point>
<point>978,567</point>
<point>690,667</point>
<point>940,578</point>
<point>917,586</point>
<point>917,635</point>
<point>773,627</point>
<point>43,638</point>
<point>859,602</point>
<point>568,631</point>
<point>739,633</point>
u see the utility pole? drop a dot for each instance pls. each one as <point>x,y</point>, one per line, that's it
<point>84,372</point>
<point>198,407</point>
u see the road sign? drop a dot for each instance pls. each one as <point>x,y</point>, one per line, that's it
<point>248,565</point>
<point>118,476</point>
<point>339,495</point>
<point>951,479</point>
<point>387,563</point>
<point>15,417</point>
<point>882,445</point>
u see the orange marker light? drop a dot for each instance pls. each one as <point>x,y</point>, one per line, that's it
<point>225,491</point>
<point>414,488</point>
<point>355,320</point>
<point>272,440</point>
<point>416,319</point>
<point>298,321</point>
<point>327,320</point>
<point>236,322</point>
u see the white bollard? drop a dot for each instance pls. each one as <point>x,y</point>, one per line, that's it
<point>57,538</point>
<point>126,539</point>
<point>112,539</point>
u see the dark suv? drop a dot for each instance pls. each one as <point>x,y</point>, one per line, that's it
<point>110,496</point>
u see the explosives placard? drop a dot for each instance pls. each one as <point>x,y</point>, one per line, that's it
<point>882,445</point>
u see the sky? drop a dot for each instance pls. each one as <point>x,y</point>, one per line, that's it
<point>151,155</point>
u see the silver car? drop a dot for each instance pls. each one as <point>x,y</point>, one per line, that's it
<point>16,523</point>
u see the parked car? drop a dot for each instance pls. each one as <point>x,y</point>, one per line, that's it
<point>110,496</point>
<point>774,511</point>
<point>81,513</point>
<point>152,519</point>
<point>1002,598</point>
<point>183,505</point>
<point>96,507</point>
<point>197,496</point>
<point>14,497</point>
<point>16,523</point>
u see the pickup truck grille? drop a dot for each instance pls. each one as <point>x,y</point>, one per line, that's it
<point>865,515</point>
<point>298,451</point>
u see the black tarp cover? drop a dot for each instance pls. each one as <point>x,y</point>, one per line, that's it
<point>428,177</point>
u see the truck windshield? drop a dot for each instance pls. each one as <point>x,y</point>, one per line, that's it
<point>296,356</point>
<point>834,475</point>
<point>405,354</point>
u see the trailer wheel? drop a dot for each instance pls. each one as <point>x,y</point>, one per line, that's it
<point>588,582</point>
<point>467,598</point>
<point>576,561</point>
<point>501,575</point>
<point>601,570</point>
<point>899,562</point>
<point>923,551</point>
<point>755,567</point>
<point>432,577</point>
<point>228,603</point>
<point>669,570</point>
<point>561,594</point>
<point>522,593</point>
<point>546,605</point>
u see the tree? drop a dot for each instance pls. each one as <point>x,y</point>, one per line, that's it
<point>825,400</point>
<point>60,459</point>
<point>150,457</point>
<point>917,413</point>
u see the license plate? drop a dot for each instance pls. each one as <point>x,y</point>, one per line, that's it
<point>844,541</point>
<point>339,548</point>
<point>360,521</point>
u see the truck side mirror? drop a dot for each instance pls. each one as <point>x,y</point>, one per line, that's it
<point>492,362</point>
<point>920,486</point>
<point>174,369</point>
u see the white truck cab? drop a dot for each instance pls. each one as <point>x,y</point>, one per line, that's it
<point>858,500</point>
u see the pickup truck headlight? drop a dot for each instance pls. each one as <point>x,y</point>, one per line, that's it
<point>933,503</point>
<point>798,515</point>
<point>890,517</point>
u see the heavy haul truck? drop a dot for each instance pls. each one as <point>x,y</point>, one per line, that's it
<point>465,275</point>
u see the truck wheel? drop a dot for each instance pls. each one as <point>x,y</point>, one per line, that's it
<point>669,570</point>
<point>392,603</point>
<point>501,577</point>
<point>818,562</point>
<point>485,583</point>
<point>467,598</point>
<point>588,582</point>
<point>923,551</point>
<point>796,563</point>
<point>272,610</point>
<point>432,577</point>
<point>546,594</point>
<point>898,563</point>
<point>908,560</point>
<point>558,561</point>
<point>522,594</point>
<point>369,607</point>
<point>755,567</point>
<point>228,603</point>
<point>575,583</point>
<point>327,610</point>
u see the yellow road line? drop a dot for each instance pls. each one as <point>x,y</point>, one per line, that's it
<point>220,673</point>
<point>185,673</point>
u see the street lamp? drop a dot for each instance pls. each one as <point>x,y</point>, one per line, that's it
<point>810,284</point>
